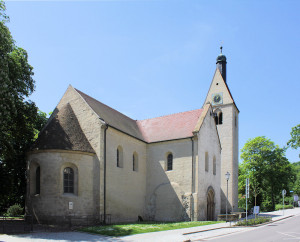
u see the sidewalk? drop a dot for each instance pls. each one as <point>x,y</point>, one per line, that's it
<point>201,232</point>
<point>195,233</point>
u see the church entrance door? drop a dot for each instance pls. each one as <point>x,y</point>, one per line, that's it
<point>210,205</point>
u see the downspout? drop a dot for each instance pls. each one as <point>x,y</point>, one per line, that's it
<point>193,185</point>
<point>104,166</point>
<point>104,175</point>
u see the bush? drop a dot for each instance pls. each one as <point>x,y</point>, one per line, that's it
<point>14,211</point>
<point>280,206</point>
<point>266,206</point>
<point>258,220</point>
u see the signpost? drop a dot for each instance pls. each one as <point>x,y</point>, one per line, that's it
<point>283,194</point>
<point>256,210</point>
<point>247,196</point>
<point>296,198</point>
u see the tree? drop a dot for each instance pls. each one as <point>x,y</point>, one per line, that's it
<point>296,185</point>
<point>19,117</point>
<point>268,170</point>
<point>294,142</point>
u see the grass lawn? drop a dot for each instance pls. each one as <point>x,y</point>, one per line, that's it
<point>143,227</point>
<point>250,222</point>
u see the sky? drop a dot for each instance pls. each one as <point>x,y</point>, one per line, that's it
<point>148,58</point>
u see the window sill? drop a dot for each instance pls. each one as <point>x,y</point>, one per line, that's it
<point>69,195</point>
<point>35,195</point>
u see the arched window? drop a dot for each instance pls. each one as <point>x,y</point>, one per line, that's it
<point>214,166</point>
<point>38,180</point>
<point>119,156</point>
<point>170,162</point>
<point>206,161</point>
<point>135,162</point>
<point>218,117</point>
<point>68,180</point>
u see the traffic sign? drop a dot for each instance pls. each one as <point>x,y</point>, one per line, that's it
<point>283,192</point>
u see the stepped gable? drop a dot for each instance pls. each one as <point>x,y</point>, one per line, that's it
<point>63,132</point>
<point>170,127</point>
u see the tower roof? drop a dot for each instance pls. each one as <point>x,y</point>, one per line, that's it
<point>221,57</point>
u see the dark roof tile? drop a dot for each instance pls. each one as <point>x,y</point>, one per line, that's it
<point>63,132</point>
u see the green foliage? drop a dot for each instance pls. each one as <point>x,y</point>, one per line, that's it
<point>280,206</point>
<point>268,170</point>
<point>296,184</point>
<point>15,211</point>
<point>289,200</point>
<point>294,142</point>
<point>242,202</point>
<point>144,227</point>
<point>258,220</point>
<point>19,120</point>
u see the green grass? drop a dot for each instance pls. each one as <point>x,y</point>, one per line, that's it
<point>280,206</point>
<point>9,217</point>
<point>144,227</point>
<point>258,220</point>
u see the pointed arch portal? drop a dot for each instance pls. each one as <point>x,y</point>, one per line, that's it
<point>210,205</point>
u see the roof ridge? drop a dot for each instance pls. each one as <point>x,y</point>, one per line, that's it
<point>104,104</point>
<point>170,114</point>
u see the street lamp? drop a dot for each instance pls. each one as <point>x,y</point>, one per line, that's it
<point>227,176</point>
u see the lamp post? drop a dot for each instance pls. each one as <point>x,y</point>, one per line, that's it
<point>227,176</point>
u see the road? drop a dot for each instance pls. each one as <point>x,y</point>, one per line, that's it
<point>283,230</point>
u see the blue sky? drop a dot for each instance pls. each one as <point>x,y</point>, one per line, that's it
<point>152,58</point>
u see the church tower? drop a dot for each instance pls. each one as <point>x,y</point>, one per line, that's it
<point>227,121</point>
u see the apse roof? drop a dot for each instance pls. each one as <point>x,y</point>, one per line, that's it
<point>63,132</point>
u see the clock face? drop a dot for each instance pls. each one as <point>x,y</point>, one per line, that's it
<point>217,98</point>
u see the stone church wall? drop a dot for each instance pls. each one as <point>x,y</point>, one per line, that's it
<point>208,148</point>
<point>169,192</point>
<point>52,204</point>
<point>126,188</point>
<point>93,130</point>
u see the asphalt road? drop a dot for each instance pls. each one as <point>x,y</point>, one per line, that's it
<point>283,230</point>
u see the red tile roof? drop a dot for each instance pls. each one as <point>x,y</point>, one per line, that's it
<point>170,127</point>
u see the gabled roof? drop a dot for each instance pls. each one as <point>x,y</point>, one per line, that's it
<point>63,132</point>
<point>112,117</point>
<point>217,70</point>
<point>169,127</point>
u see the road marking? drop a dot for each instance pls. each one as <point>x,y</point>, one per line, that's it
<point>289,234</point>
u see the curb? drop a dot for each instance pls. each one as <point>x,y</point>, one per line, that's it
<point>258,225</point>
<point>236,226</point>
<point>245,227</point>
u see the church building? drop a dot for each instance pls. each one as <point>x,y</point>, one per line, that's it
<point>91,161</point>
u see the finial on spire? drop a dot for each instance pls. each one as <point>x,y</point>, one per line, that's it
<point>221,47</point>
